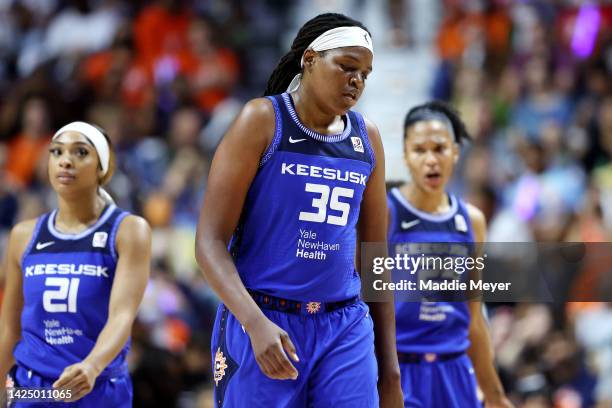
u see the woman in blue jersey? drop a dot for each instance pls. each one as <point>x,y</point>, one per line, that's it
<point>297,180</point>
<point>435,338</point>
<point>74,280</point>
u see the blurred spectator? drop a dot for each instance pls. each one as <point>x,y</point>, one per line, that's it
<point>594,331</point>
<point>458,30</point>
<point>547,193</point>
<point>542,103</point>
<point>212,71</point>
<point>161,34</point>
<point>8,199</point>
<point>28,146</point>
<point>117,75</point>
<point>602,174</point>
<point>80,29</point>
<point>397,11</point>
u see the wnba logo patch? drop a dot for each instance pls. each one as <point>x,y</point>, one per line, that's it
<point>357,144</point>
<point>220,366</point>
<point>460,223</point>
<point>99,239</point>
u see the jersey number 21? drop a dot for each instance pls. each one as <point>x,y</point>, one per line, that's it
<point>65,295</point>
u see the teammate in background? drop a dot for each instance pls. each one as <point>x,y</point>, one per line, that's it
<point>433,337</point>
<point>295,181</point>
<point>74,280</point>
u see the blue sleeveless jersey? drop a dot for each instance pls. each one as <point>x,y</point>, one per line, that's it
<point>296,237</point>
<point>67,281</point>
<point>437,326</point>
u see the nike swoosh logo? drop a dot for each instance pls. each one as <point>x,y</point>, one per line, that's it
<point>292,140</point>
<point>408,225</point>
<point>43,245</point>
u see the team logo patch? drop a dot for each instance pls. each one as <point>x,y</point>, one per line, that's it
<point>357,144</point>
<point>220,366</point>
<point>313,307</point>
<point>99,239</point>
<point>460,223</point>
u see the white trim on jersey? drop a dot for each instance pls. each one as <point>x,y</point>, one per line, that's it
<point>315,135</point>
<point>61,235</point>
<point>422,214</point>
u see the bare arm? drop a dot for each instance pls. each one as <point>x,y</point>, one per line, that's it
<point>131,277</point>
<point>12,305</point>
<point>373,220</point>
<point>481,350</point>
<point>233,168</point>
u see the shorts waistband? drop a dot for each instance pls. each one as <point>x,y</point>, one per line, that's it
<point>416,358</point>
<point>269,302</point>
<point>118,371</point>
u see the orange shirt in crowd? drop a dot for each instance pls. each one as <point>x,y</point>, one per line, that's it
<point>23,155</point>
<point>158,32</point>
<point>499,28</point>
<point>454,35</point>
<point>223,62</point>
<point>137,88</point>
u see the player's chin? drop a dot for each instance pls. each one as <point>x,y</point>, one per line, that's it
<point>433,185</point>
<point>343,108</point>
<point>344,103</point>
<point>68,189</point>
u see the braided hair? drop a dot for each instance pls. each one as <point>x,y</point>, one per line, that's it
<point>415,115</point>
<point>289,64</point>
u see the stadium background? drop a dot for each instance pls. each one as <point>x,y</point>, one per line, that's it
<point>531,78</point>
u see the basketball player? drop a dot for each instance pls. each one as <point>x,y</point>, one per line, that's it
<point>295,180</point>
<point>433,337</point>
<point>75,278</point>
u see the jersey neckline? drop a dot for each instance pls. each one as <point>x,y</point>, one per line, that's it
<point>425,215</point>
<point>316,135</point>
<point>106,213</point>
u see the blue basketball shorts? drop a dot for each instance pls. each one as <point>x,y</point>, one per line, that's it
<point>107,392</point>
<point>440,384</point>
<point>337,366</point>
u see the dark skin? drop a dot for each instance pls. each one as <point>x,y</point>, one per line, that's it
<point>430,155</point>
<point>74,174</point>
<point>332,83</point>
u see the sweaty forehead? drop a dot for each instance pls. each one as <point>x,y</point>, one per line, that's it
<point>429,130</point>
<point>72,137</point>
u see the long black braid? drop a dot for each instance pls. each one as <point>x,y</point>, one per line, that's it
<point>289,65</point>
<point>414,115</point>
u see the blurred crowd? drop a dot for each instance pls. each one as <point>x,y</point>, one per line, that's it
<point>533,82</point>
<point>164,78</point>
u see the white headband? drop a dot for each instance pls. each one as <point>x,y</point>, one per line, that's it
<point>94,136</point>
<point>335,38</point>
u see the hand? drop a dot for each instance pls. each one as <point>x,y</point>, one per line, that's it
<point>501,402</point>
<point>390,391</point>
<point>78,378</point>
<point>270,345</point>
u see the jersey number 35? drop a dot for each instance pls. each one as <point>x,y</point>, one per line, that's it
<point>323,199</point>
